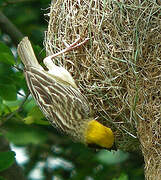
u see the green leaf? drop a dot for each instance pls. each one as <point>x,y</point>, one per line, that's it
<point>13,104</point>
<point>8,92</point>
<point>4,48</point>
<point>8,82</point>
<point>30,103</point>
<point>122,177</point>
<point>21,134</point>
<point>3,109</point>
<point>10,106</point>
<point>6,159</point>
<point>1,105</point>
<point>7,58</point>
<point>35,116</point>
<point>6,55</point>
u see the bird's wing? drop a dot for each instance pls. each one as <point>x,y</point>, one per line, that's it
<point>61,103</point>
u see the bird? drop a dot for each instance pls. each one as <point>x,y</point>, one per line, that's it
<point>60,100</point>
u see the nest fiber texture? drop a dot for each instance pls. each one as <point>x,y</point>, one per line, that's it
<point>119,69</point>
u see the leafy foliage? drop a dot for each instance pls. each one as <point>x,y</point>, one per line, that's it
<point>6,159</point>
<point>5,54</point>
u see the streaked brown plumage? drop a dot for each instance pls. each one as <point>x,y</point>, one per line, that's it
<point>59,98</point>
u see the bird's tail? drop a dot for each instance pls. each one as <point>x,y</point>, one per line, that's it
<point>26,53</point>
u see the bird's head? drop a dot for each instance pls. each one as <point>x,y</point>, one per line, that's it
<point>99,136</point>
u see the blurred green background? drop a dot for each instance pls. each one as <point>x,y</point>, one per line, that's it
<point>41,151</point>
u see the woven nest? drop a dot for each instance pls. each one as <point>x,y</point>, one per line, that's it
<point>119,69</point>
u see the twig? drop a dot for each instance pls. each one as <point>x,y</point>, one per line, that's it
<point>18,110</point>
<point>9,28</point>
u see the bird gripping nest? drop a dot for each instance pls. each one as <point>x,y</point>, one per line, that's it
<point>60,100</point>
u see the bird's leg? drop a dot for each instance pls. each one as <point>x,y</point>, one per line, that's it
<point>70,47</point>
<point>48,60</point>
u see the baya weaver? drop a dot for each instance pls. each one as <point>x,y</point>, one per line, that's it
<point>60,100</point>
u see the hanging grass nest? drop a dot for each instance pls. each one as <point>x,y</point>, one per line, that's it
<point>118,70</point>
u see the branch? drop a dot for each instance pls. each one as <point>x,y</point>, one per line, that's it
<point>9,116</point>
<point>16,1</point>
<point>19,109</point>
<point>9,28</point>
